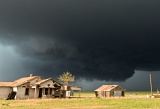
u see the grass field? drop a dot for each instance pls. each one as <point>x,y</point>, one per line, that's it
<point>132,100</point>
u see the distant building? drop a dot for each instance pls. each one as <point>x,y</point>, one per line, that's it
<point>34,87</point>
<point>109,91</point>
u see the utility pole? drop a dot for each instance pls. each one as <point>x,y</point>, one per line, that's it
<point>151,83</point>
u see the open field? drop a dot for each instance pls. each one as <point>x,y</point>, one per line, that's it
<point>132,100</point>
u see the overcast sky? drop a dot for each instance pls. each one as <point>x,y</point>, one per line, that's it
<point>99,41</point>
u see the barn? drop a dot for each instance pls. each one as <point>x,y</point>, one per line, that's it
<point>110,91</point>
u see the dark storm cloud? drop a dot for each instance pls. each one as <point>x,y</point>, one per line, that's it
<point>94,39</point>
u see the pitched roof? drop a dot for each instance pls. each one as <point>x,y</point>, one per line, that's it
<point>42,81</point>
<point>6,84</point>
<point>106,87</point>
<point>18,81</point>
<point>23,80</point>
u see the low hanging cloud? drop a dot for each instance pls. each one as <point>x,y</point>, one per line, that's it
<point>104,40</point>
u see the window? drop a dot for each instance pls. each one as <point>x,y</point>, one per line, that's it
<point>27,91</point>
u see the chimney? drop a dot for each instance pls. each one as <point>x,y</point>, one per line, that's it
<point>30,75</point>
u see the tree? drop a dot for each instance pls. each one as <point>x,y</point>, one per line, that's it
<point>66,77</point>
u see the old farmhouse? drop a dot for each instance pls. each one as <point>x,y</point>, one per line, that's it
<point>34,87</point>
<point>110,91</point>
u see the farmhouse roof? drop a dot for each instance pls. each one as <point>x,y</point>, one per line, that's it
<point>24,80</point>
<point>107,87</point>
<point>19,81</point>
<point>44,80</point>
<point>6,84</point>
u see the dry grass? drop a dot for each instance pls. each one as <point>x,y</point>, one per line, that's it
<point>133,100</point>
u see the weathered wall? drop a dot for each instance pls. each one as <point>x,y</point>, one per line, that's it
<point>4,91</point>
<point>31,93</point>
<point>117,93</point>
<point>108,94</point>
<point>21,93</point>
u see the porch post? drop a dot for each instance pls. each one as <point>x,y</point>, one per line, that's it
<point>49,91</point>
<point>35,92</point>
<point>79,93</point>
<point>42,92</point>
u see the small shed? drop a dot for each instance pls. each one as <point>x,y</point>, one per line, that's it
<point>68,91</point>
<point>110,91</point>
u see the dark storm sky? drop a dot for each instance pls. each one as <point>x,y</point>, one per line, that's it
<point>93,39</point>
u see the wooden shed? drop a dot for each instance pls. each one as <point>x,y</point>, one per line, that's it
<point>110,91</point>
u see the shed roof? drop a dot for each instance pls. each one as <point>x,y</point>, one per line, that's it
<point>76,88</point>
<point>107,87</point>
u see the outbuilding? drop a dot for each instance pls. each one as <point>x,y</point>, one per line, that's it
<point>110,91</point>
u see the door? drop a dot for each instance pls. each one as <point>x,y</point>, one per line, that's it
<point>40,93</point>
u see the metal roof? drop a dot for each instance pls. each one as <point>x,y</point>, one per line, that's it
<point>107,87</point>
